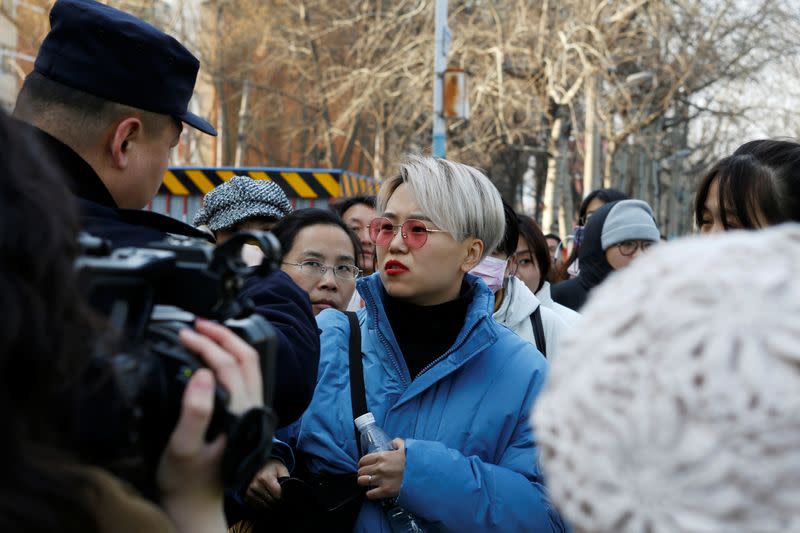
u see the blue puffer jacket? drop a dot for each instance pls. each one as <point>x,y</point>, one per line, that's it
<point>470,453</point>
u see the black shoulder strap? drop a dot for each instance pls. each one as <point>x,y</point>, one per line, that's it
<point>358,395</point>
<point>538,330</point>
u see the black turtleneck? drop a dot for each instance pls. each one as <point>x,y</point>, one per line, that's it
<point>425,333</point>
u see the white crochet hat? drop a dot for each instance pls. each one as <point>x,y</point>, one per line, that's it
<point>240,199</point>
<point>675,407</point>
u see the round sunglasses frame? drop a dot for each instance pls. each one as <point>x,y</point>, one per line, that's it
<point>415,240</point>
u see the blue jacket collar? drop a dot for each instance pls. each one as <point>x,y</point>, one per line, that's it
<point>476,334</point>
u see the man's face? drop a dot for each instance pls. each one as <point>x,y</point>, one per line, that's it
<point>358,218</point>
<point>148,162</point>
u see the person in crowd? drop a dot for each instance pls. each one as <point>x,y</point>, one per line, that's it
<point>357,212</point>
<point>47,337</point>
<point>615,235</point>
<point>242,203</point>
<point>108,126</point>
<point>93,105</point>
<point>757,186</point>
<point>516,307</point>
<point>593,201</point>
<point>319,254</point>
<point>675,383</point>
<point>553,245</point>
<point>533,261</point>
<point>434,359</point>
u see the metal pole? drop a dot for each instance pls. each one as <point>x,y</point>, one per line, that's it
<point>442,37</point>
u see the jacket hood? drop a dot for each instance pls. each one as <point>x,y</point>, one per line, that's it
<point>593,265</point>
<point>518,304</point>
<point>543,295</point>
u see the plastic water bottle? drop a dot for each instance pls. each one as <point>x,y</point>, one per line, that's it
<point>374,439</point>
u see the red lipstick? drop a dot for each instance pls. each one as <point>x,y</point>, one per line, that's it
<point>393,267</point>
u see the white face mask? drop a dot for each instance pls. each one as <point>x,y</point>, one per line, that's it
<point>492,271</point>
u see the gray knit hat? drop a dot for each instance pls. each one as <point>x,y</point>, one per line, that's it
<point>629,220</point>
<point>240,199</point>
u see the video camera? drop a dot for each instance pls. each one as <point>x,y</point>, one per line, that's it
<point>133,390</point>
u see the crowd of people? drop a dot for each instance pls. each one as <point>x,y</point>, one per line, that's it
<point>631,386</point>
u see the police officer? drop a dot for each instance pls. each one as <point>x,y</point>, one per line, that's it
<point>109,96</point>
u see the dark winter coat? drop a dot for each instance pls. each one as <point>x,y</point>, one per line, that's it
<point>594,267</point>
<point>275,296</point>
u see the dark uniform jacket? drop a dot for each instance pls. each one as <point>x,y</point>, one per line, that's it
<point>594,267</point>
<point>275,296</point>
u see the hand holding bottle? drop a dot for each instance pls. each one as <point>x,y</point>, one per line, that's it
<point>383,471</point>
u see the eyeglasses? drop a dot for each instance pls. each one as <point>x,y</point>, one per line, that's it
<point>511,266</point>
<point>414,232</point>
<point>317,269</point>
<point>628,248</point>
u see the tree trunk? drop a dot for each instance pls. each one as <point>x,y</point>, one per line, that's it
<point>608,164</point>
<point>567,211</point>
<point>333,160</point>
<point>555,154</point>
<point>241,137</point>
<point>348,151</point>
<point>540,173</point>
<point>591,160</point>
<point>222,123</point>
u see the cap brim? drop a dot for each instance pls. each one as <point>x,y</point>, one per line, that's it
<point>198,123</point>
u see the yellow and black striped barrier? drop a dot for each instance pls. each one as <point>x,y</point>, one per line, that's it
<point>296,183</point>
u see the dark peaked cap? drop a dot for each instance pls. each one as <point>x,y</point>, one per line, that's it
<point>110,54</point>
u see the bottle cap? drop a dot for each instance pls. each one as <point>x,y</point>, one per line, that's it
<point>364,420</point>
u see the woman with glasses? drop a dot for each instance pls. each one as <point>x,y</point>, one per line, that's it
<point>614,236</point>
<point>447,382</point>
<point>320,255</point>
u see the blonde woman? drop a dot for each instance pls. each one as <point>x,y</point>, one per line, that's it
<point>451,385</point>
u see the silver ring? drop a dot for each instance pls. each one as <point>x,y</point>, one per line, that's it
<point>369,480</point>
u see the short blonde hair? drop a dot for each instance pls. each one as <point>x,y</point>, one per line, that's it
<point>457,198</point>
